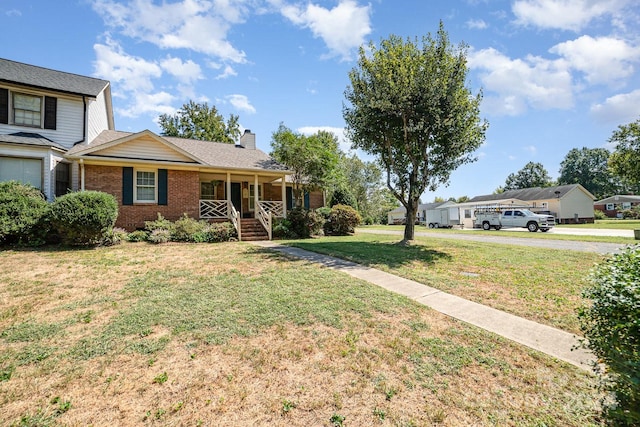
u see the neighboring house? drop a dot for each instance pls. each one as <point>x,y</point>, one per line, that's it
<point>569,204</point>
<point>614,205</point>
<point>44,113</point>
<point>57,133</point>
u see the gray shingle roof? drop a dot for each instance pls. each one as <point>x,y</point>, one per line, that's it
<point>44,78</point>
<point>214,154</point>
<point>27,138</point>
<point>620,198</point>
<point>536,193</point>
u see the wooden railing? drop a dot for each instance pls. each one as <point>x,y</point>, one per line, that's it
<point>276,208</point>
<point>264,217</point>
<point>221,209</point>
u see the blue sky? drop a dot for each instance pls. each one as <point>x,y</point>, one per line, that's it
<point>556,74</point>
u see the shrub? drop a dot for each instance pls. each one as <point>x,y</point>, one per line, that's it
<point>220,232</point>
<point>115,236</point>
<point>160,223</point>
<point>342,196</point>
<point>324,212</point>
<point>342,221</point>
<point>304,223</point>
<point>611,326</point>
<point>138,236</point>
<point>282,229</point>
<point>84,217</point>
<point>185,229</point>
<point>598,214</point>
<point>159,235</point>
<point>23,212</point>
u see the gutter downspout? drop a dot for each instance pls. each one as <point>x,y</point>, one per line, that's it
<point>84,121</point>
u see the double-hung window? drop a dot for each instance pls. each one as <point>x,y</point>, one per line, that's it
<point>145,187</point>
<point>27,109</point>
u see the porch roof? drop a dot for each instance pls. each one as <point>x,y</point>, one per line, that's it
<point>204,153</point>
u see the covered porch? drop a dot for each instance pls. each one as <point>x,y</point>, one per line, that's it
<point>243,199</point>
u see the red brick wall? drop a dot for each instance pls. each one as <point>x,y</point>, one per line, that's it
<point>183,195</point>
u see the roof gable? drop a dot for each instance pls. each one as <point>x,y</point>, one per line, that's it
<point>44,78</point>
<point>535,193</point>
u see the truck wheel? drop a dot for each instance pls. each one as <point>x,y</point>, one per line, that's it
<point>431,225</point>
<point>486,226</point>
<point>532,226</point>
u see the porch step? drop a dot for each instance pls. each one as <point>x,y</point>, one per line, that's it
<point>252,230</point>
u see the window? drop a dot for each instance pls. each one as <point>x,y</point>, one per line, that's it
<point>610,207</point>
<point>62,179</point>
<point>27,109</point>
<point>145,187</point>
<point>626,205</point>
<point>252,204</point>
<point>27,171</point>
<point>208,191</point>
<point>508,213</point>
<point>467,213</point>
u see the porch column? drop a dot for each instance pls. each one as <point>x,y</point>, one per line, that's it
<point>284,196</point>
<point>228,193</point>
<point>256,192</point>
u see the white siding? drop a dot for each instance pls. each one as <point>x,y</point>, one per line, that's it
<point>69,120</point>
<point>576,202</point>
<point>143,149</point>
<point>98,119</point>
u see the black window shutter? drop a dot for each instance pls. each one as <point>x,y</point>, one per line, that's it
<point>50,112</point>
<point>163,198</point>
<point>4,106</point>
<point>127,186</point>
<point>306,200</point>
<point>289,195</point>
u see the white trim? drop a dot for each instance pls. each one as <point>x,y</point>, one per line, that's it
<point>135,186</point>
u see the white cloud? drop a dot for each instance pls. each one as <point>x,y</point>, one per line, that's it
<point>514,85</point>
<point>343,28</point>
<point>618,109</point>
<point>200,26</point>
<point>227,72</point>
<point>602,59</point>
<point>132,80</point>
<point>241,102</point>
<point>531,149</point>
<point>13,12</point>
<point>565,14</point>
<point>186,72</point>
<point>477,24</point>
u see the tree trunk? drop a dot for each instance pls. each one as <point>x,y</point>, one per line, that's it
<point>410,226</point>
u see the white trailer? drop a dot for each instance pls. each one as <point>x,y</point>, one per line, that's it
<point>444,215</point>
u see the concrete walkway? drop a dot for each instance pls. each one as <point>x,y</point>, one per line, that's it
<point>552,341</point>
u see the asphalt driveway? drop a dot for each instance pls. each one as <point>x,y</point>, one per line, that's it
<point>478,236</point>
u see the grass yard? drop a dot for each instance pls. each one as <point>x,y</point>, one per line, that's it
<point>230,334</point>
<point>518,234</point>
<point>610,224</point>
<point>542,285</point>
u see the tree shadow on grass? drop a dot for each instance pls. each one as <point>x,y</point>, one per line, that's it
<point>371,254</point>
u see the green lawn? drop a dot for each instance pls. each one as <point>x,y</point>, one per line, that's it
<point>543,285</point>
<point>610,224</point>
<point>230,334</point>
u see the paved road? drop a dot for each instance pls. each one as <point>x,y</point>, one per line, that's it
<point>477,236</point>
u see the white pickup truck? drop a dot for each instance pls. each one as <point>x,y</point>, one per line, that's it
<point>510,218</point>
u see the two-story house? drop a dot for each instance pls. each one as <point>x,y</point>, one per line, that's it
<point>57,133</point>
<point>43,114</point>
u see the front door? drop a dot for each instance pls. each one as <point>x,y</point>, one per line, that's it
<point>236,196</point>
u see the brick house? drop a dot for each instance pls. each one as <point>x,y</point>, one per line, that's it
<point>614,205</point>
<point>57,133</point>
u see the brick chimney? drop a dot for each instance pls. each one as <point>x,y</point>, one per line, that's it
<point>248,140</point>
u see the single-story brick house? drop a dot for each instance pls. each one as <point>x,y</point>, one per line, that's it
<point>57,133</point>
<point>614,205</point>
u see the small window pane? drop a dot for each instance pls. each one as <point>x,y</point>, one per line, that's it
<point>146,193</point>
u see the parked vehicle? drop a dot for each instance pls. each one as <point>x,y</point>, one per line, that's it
<point>437,218</point>
<point>498,218</point>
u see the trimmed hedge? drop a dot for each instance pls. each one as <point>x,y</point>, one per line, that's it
<point>342,220</point>
<point>23,211</point>
<point>84,217</point>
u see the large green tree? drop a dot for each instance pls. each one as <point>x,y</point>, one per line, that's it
<point>408,105</point>
<point>588,167</point>
<point>311,158</point>
<point>199,121</point>
<point>531,175</point>
<point>625,160</point>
